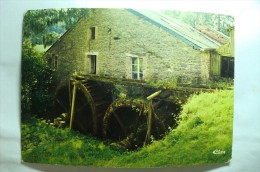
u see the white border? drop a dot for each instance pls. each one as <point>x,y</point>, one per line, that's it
<point>246,146</point>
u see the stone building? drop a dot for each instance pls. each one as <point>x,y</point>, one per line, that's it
<point>138,44</point>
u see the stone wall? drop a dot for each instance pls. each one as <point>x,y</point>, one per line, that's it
<point>70,50</point>
<point>121,35</point>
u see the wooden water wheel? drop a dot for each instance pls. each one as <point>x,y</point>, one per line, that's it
<point>88,107</point>
<point>127,123</point>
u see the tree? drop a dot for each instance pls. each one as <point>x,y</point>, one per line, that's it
<point>37,81</point>
<point>42,27</point>
<point>46,26</point>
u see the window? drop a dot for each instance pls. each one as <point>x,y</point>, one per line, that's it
<point>53,61</point>
<point>93,59</point>
<point>227,67</point>
<point>93,32</point>
<point>137,68</point>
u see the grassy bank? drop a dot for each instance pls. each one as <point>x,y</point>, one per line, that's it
<point>204,135</point>
<point>42,143</point>
<point>206,127</point>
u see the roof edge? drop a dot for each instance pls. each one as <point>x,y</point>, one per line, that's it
<point>195,46</point>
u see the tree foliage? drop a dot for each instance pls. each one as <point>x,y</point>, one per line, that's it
<point>42,27</point>
<point>46,26</point>
<point>37,81</point>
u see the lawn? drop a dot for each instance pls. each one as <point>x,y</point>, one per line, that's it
<point>204,135</point>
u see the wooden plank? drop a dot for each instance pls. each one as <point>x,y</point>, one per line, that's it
<point>149,123</point>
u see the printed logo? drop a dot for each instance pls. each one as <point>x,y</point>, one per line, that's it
<point>218,152</point>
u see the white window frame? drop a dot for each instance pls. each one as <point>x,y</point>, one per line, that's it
<point>53,61</point>
<point>88,55</point>
<point>138,72</point>
<point>93,64</point>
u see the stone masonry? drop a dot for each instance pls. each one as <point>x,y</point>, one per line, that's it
<point>119,36</point>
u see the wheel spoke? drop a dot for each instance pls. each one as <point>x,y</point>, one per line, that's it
<point>81,108</point>
<point>61,103</point>
<point>120,123</point>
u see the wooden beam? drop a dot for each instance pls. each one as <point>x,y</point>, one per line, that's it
<point>73,103</point>
<point>154,95</point>
<point>149,123</point>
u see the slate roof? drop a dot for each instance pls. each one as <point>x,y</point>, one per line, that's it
<point>182,31</point>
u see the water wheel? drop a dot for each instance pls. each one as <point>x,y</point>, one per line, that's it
<point>89,106</point>
<point>126,123</point>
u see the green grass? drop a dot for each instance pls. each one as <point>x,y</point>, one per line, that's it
<point>205,125</point>
<point>222,83</point>
<point>42,143</point>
